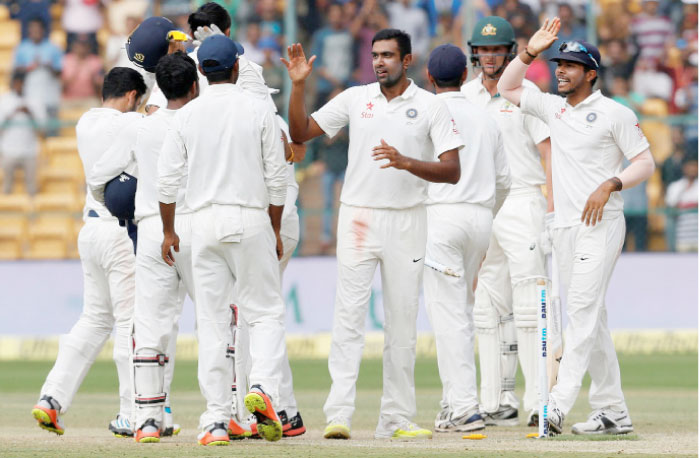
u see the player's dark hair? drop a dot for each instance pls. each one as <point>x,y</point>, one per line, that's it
<point>207,14</point>
<point>175,75</point>
<point>457,82</point>
<point>402,39</point>
<point>121,80</point>
<point>18,75</point>
<point>217,77</point>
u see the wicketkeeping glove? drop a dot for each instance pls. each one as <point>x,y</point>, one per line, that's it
<point>202,33</point>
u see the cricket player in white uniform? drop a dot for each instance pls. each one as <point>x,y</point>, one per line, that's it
<point>459,229</point>
<point>160,289</point>
<point>236,187</point>
<point>505,313</point>
<point>382,219</point>
<point>292,422</point>
<point>590,136</point>
<point>107,258</point>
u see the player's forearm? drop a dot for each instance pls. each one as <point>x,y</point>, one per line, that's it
<point>510,86</point>
<point>167,216</point>
<point>447,171</point>
<point>641,168</point>
<point>275,212</point>
<point>298,118</point>
<point>545,149</point>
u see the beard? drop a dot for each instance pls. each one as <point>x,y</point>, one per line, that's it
<point>391,81</point>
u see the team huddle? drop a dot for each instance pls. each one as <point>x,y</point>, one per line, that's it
<point>442,190</point>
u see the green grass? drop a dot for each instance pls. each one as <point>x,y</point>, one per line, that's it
<point>661,392</point>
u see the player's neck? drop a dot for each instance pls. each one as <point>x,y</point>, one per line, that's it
<point>490,84</point>
<point>176,104</point>
<point>579,95</point>
<point>442,90</point>
<point>396,90</point>
<point>119,104</point>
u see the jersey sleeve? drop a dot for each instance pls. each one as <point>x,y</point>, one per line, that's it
<point>627,133</point>
<point>535,103</point>
<point>335,114</point>
<point>443,130</point>
<point>536,129</point>
<point>274,166</point>
<point>172,166</point>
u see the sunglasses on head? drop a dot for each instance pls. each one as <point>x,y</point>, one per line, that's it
<point>575,46</point>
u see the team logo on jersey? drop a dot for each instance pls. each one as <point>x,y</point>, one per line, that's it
<point>591,117</point>
<point>123,178</point>
<point>139,57</point>
<point>411,113</point>
<point>507,107</point>
<point>488,29</point>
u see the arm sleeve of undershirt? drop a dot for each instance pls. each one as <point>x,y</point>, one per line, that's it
<point>172,166</point>
<point>274,166</point>
<point>640,169</point>
<point>335,114</point>
<point>443,130</point>
<point>117,158</point>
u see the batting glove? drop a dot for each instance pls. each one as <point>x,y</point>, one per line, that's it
<point>547,236</point>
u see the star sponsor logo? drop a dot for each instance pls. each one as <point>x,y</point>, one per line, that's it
<point>454,127</point>
<point>559,115</point>
<point>368,111</point>
<point>639,130</point>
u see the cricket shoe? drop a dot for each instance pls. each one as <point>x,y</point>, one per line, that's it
<point>170,429</point>
<point>534,418</point>
<point>605,421</point>
<point>555,418</point>
<point>149,432</point>
<point>46,412</point>
<point>237,431</point>
<point>504,416</point>
<point>258,403</point>
<point>338,428</point>
<point>121,427</point>
<point>214,434</point>
<point>407,431</point>
<point>291,427</point>
<point>470,421</point>
<point>442,419</point>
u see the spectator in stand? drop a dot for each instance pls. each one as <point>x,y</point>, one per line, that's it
<point>82,74</point>
<point>115,52</point>
<point>41,61</point>
<point>270,19</point>
<point>333,47</point>
<point>620,92</point>
<point>251,43</point>
<point>520,16</point>
<point>672,170</point>
<point>651,31</point>
<point>682,196</point>
<point>21,123</point>
<point>650,82</point>
<point>686,100</point>
<point>27,10</point>
<point>616,62</point>
<point>405,15</point>
<point>614,22</point>
<point>364,25</point>
<point>82,17</point>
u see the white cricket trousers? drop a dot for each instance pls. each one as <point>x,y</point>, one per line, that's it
<point>250,266</point>
<point>395,240</point>
<point>287,400</point>
<point>507,286</point>
<point>458,237</point>
<point>586,257</point>
<point>160,295</point>
<point>107,258</point>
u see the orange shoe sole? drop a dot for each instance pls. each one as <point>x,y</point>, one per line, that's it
<point>48,419</point>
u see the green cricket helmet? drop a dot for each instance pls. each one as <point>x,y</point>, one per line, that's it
<point>492,31</point>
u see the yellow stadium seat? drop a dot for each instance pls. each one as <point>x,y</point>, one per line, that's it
<point>13,233</point>
<point>50,237</point>
<point>4,13</point>
<point>10,36</point>
<point>19,203</point>
<point>58,37</point>
<point>61,145</point>
<point>73,252</point>
<point>61,180</point>
<point>56,202</point>
<point>68,161</point>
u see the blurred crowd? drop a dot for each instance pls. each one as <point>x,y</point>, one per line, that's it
<point>649,49</point>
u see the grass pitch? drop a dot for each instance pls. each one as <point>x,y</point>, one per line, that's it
<point>661,391</point>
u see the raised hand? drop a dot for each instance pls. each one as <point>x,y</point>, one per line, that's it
<point>544,37</point>
<point>202,33</point>
<point>297,66</point>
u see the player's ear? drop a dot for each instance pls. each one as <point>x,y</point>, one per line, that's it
<point>431,80</point>
<point>407,60</point>
<point>463,78</point>
<point>199,67</point>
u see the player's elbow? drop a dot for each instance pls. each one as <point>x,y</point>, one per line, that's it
<point>454,172</point>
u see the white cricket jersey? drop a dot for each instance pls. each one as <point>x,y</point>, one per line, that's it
<point>96,130</point>
<point>483,160</point>
<point>521,133</point>
<point>250,78</point>
<point>588,144</point>
<point>137,149</point>
<point>232,156</point>
<point>416,123</point>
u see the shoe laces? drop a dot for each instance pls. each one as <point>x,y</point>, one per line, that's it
<point>597,414</point>
<point>339,421</point>
<point>409,426</point>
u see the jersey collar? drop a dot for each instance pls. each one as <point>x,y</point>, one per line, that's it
<point>376,91</point>
<point>588,100</point>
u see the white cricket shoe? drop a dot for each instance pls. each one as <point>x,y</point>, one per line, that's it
<point>442,418</point>
<point>555,417</point>
<point>504,416</point>
<point>605,421</point>
<point>121,427</point>
<point>470,421</point>
<point>533,419</point>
